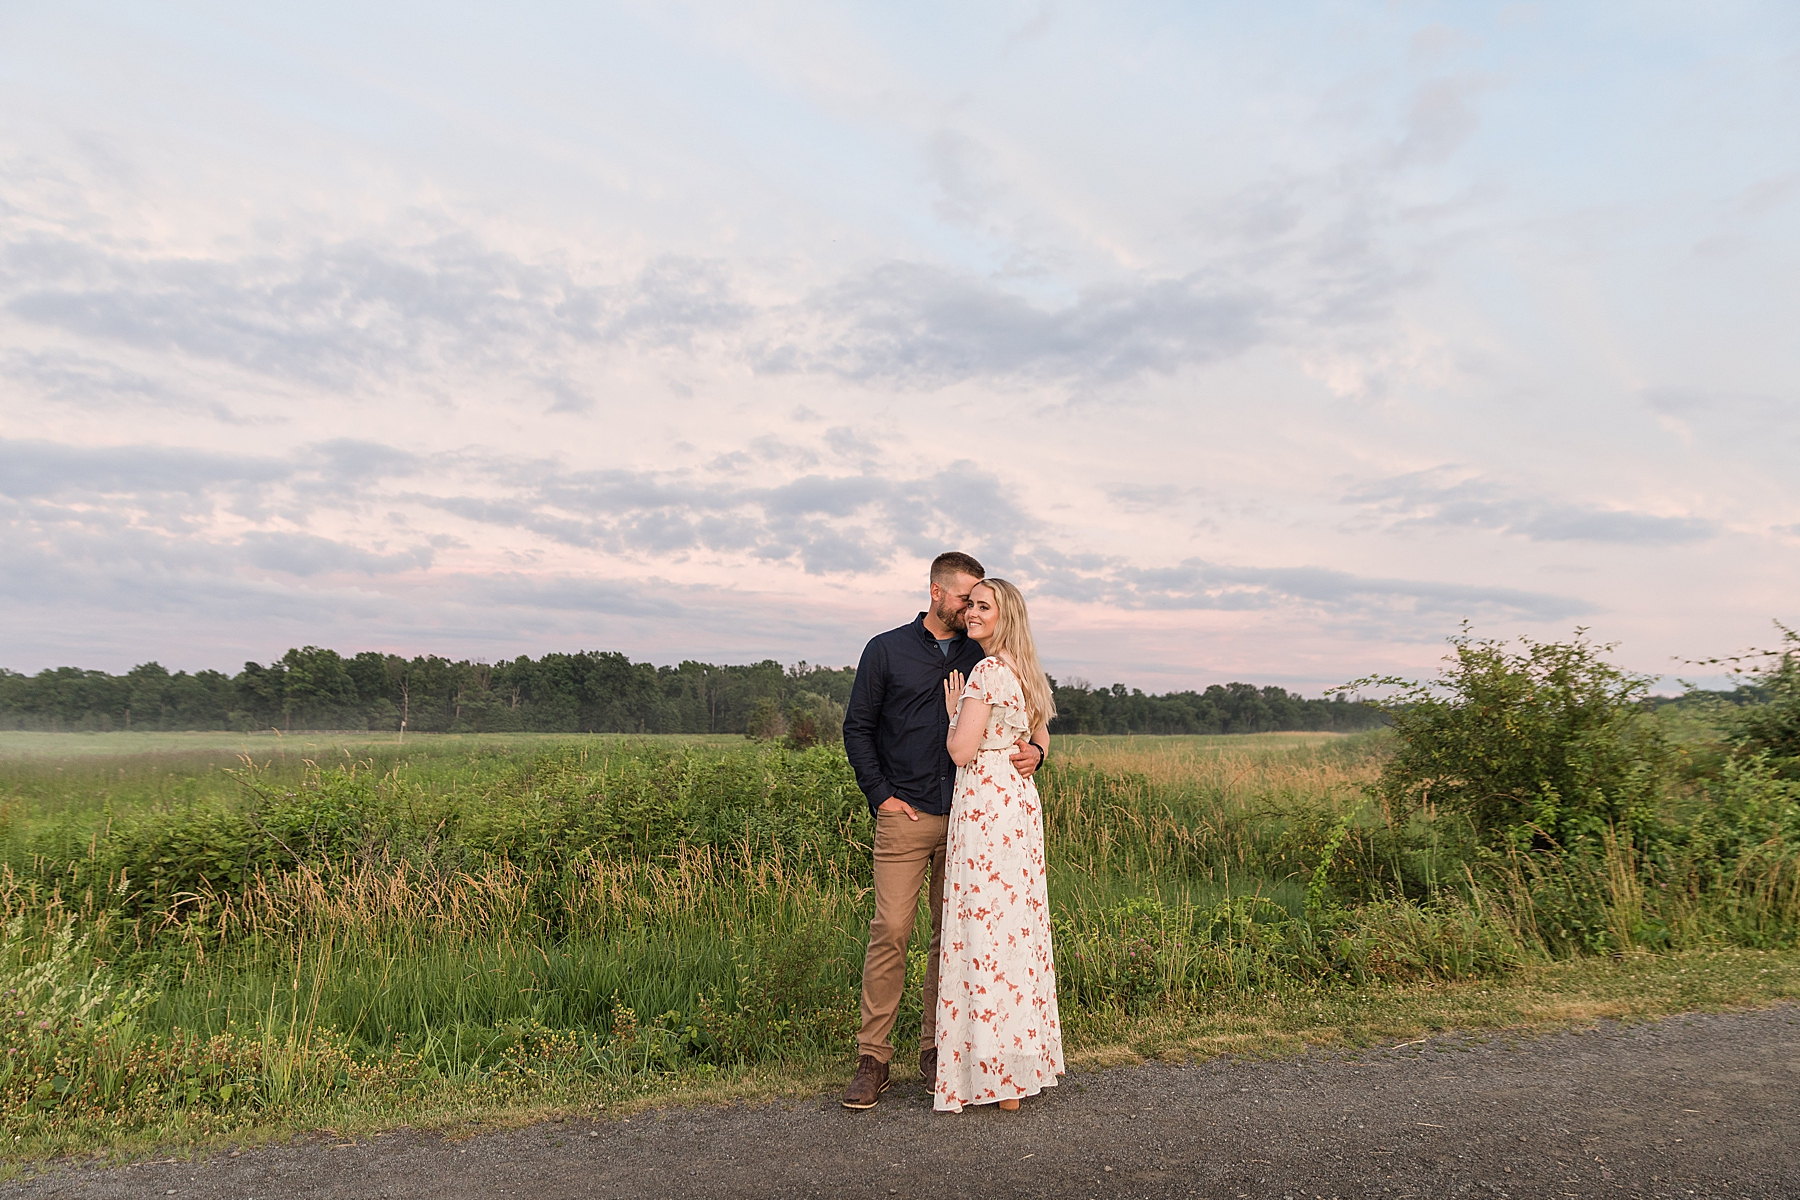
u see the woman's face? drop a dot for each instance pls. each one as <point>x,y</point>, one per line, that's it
<point>982,615</point>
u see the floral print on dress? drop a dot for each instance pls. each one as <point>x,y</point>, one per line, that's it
<point>999,1036</point>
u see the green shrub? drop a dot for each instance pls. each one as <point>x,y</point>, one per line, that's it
<point>1535,749</point>
<point>1772,728</point>
<point>767,722</point>
<point>814,720</point>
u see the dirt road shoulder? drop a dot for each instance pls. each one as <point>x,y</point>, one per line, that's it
<point>1693,1105</point>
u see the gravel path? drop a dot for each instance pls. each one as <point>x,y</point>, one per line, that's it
<point>1691,1106</point>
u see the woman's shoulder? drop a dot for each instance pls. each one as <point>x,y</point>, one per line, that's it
<point>996,671</point>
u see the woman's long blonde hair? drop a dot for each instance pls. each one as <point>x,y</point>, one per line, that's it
<point>1012,642</point>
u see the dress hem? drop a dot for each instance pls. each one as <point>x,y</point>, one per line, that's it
<point>1038,1091</point>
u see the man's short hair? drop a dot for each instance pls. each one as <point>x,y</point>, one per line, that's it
<point>952,563</point>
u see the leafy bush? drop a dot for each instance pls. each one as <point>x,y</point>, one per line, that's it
<point>1772,729</point>
<point>814,720</point>
<point>1538,748</point>
<point>767,723</point>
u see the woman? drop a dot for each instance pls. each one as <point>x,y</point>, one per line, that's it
<point>998,1034</point>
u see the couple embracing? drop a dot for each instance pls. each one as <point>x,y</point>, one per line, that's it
<point>948,720</point>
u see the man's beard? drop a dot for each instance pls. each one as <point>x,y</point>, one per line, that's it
<point>954,621</point>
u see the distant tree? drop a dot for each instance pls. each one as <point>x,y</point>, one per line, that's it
<point>319,690</point>
<point>591,691</point>
<point>261,692</point>
<point>814,720</point>
<point>1221,708</point>
<point>148,695</point>
<point>767,723</point>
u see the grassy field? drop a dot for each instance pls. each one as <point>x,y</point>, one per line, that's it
<point>215,749</point>
<point>235,936</point>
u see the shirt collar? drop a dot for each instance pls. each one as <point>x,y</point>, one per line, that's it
<point>931,637</point>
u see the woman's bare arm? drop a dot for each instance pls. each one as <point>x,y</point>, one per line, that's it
<point>968,726</point>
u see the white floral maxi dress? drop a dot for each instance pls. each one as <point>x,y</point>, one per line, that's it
<point>998,1033</point>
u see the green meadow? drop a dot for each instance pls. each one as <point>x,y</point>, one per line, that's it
<point>233,936</point>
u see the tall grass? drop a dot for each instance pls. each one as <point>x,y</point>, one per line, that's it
<point>228,935</point>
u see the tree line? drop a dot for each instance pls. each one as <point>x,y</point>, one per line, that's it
<point>592,691</point>
<point>1221,708</point>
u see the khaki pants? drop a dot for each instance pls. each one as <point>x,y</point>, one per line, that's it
<point>906,851</point>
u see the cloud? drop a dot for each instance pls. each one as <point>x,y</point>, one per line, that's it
<point>103,595</point>
<point>1439,121</point>
<point>351,460</point>
<point>1575,523</point>
<point>919,326</point>
<point>841,439</point>
<point>1746,422</point>
<point>88,382</point>
<point>1147,497</point>
<point>344,312</point>
<point>566,397</point>
<point>651,598</point>
<point>1767,195</point>
<point>850,525</point>
<point>590,335</point>
<point>672,301</point>
<point>68,569</point>
<point>956,163</point>
<point>842,524</point>
<point>175,487</point>
<point>40,470</point>
<point>304,555</point>
<point>357,313</point>
<point>1198,584</point>
<point>828,524</point>
<point>1035,27</point>
<point>1435,498</point>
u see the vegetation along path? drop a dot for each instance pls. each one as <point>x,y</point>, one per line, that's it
<point>1699,1105</point>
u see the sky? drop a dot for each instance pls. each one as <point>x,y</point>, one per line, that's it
<point>1259,342</point>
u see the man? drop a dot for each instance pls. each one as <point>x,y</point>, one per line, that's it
<point>894,735</point>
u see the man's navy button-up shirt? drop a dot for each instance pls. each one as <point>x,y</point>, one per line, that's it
<point>896,726</point>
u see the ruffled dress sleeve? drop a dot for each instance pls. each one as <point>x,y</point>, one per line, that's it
<point>993,683</point>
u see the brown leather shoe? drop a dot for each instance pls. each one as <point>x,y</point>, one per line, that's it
<point>928,1065</point>
<point>866,1086</point>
